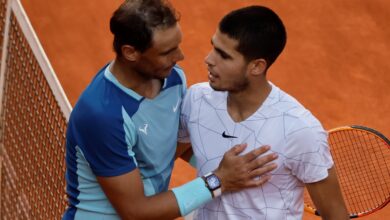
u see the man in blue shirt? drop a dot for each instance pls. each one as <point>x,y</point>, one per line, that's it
<point>122,133</point>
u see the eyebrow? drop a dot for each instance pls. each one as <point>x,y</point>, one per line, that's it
<point>168,51</point>
<point>220,51</point>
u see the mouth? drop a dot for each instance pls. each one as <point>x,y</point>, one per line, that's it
<point>170,67</point>
<point>212,76</point>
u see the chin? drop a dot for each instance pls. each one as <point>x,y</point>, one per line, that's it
<point>215,87</point>
<point>162,75</point>
<point>166,73</point>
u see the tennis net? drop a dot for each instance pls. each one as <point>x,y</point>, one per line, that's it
<point>33,116</point>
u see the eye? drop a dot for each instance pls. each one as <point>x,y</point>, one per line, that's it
<point>166,53</point>
<point>222,54</point>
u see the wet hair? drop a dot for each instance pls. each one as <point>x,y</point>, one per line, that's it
<point>134,21</point>
<point>259,31</point>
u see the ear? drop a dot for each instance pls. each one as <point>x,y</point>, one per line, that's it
<point>129,53</point>
<point>257,67</point>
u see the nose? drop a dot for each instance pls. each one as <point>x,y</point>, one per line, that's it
<point>209,59</point>
<point>179,56</point>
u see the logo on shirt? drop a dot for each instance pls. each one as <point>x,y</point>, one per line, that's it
<point>174,108</point>
<point>227,136</point>
<point>144,129</point>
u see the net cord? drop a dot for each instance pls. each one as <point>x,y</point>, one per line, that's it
<point>38,52</point>
<point>4,55</point>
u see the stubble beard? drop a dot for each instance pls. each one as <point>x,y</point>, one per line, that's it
<point>236,87</point>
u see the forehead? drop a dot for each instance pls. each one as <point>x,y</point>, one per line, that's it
<point>165,39</point>
<point>224,42</point>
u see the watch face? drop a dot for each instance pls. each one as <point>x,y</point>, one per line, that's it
<point>213,182</point>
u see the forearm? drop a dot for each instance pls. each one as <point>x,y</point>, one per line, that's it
<point>161,206</point>
<point>338,212</point>
<point>178,202</point>
<point>127,196</point>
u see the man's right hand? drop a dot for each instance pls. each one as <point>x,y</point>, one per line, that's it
<point>242,171</point>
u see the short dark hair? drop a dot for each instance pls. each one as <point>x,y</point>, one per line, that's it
<point>259,31</point>
<point>134,21</point>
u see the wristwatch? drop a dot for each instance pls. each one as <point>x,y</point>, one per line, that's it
<point>213,183</point>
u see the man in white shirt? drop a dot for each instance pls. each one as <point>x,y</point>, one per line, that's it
<point>239,105</point>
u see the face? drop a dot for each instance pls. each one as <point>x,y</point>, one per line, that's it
<point>159,59</point>
<point>227,67</point>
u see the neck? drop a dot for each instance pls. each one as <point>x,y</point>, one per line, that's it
<point>243,104</point>
<point>127,76</point>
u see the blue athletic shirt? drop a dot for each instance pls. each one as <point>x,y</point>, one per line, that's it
<point>113,130</point>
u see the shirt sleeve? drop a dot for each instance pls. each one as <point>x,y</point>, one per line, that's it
<point>106,142</point>
<point>308,154</point>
